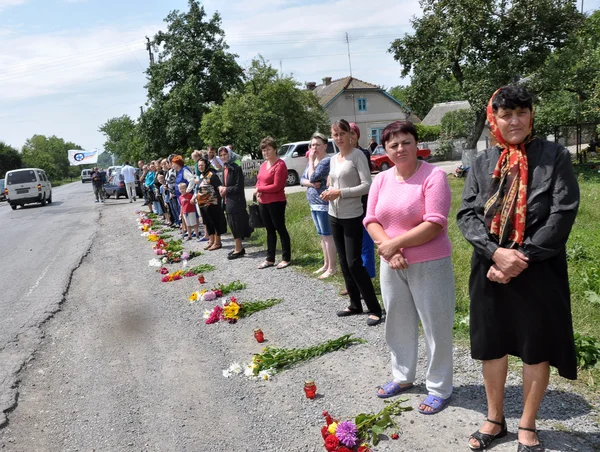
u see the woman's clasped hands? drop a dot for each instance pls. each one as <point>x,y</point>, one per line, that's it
<point>390,253</point>
<point>508,264</point>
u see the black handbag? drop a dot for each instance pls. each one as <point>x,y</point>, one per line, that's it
<point>254,214</point>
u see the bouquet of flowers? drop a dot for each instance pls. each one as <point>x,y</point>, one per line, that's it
<point>273,360</point>
<point>217,292</point>
<point>346,436</point>
<point>232,310</point>
<point>175,276</point>
<point>173,257</point>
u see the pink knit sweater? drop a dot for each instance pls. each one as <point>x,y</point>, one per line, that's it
<point>400,206</point>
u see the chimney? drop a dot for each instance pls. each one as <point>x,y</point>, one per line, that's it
<point>311,85</point>
<point>327,81</point>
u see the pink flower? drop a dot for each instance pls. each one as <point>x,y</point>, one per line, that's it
<point>209,296</point>
<point>165,278</point>
<point>215,315</point>
<point>233,299</point>
<point>164,271</point>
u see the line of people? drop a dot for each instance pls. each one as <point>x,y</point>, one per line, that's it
<point>519,204</point>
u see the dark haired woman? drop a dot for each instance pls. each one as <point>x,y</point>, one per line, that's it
<point>232,193</point>
<point>270,192</point>
<point>519,204</point>
<point>349,180</point>
<point>407,217</point>
<point>209,202</point>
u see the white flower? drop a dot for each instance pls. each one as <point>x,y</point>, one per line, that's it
<point>226,373</point>
<point>249,370</point>
<point>164,260</point>
<point>145,234</point>
<point>235,368</point>
<point>154,263</point>
<point>184,264</point>
<point>206,314</point>
<point>265,374</point>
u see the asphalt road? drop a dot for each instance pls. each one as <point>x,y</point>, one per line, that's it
<point>40,248</point>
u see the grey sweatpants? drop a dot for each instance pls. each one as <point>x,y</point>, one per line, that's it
<point>423,291</point>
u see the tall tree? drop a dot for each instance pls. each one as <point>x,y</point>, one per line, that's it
<point>568,83</point>
<point>267,105</point>
<point>10,159</point>
<point>420,100</point>
<point>483,45</point>
<point>193,71</point>
<point>49,154</point>
<point>123,138</point>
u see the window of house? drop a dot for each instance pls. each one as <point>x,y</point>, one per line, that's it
<point>376,134</point>
<point>362,104</point>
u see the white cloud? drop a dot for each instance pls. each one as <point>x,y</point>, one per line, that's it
<point>43,64</point>
<point>8,3</point>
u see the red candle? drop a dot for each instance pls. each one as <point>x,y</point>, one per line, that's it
<point>310,389</point>
<point>259,335</point>
<point>201,279</point>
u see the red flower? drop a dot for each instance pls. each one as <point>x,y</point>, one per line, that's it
<point>328,419</point>
<point>218,293</point>
<point>395,436</point>
<point>324,431</point>
<point>343,449</point>
<point>233,299</point>
<point>164,271</point>
<point>331,443</point>
<point>201,279</point>
<point>363,449</point>
<point>325,413</point>
<point>165,279</point>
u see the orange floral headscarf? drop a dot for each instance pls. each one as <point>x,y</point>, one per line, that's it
<point>506,209</point>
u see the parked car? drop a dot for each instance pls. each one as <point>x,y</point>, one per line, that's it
<point>380,161</point>
<point>27,186</point>
<point>116,185</point>
<point>86,176</point>
<point>294,156</point>
<point>2,194</point>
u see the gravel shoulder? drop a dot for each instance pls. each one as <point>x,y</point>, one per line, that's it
<point>129,365</point>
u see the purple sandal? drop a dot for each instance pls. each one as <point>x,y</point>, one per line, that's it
<point>392,389</point>
<point>437,403</point>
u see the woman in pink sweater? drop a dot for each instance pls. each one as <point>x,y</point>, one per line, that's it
<point>270,192</point>
<point>407,216</point>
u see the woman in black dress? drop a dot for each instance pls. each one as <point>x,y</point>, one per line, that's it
<point>232,193</point>
<point>519,204</point>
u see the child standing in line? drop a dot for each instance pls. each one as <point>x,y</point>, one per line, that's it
<point>162,187</point>
<point>188,211</point>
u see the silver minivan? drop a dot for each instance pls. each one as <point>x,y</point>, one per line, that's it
<point>294,156</point>
<point>27,186</point>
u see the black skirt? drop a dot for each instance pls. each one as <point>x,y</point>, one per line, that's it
<point>214,219</point>
<point>530,317</point>
<point>239,223</point>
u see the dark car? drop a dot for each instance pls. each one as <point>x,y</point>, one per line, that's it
<point>2,194</point>
<point>380,161</point>
<point>116,186</point>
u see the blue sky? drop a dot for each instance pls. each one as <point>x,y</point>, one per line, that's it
<point>67,66</point>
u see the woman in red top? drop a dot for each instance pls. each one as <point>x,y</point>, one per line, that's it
<point>270,192</point>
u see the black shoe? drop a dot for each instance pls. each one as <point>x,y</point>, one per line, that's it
<point>535,448</point>
<point>348,312</point>
<point>237,255</point>
<point>373,322</point>
<point>485,439</point>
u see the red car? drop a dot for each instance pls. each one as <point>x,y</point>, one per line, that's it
<point>381,161</point>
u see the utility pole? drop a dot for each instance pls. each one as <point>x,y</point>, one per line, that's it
<point>141,110</point>
<point>280,69</point>
<point>349,60</point>
<point>149,48</point>
<point>581,6</point>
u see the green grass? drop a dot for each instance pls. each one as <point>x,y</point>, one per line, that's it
<point>583,249</point>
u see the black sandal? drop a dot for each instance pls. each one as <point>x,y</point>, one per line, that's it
<point>535,448</point>
<point>485,439</point>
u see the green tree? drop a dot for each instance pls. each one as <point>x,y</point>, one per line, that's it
<point>49,154</point>
<point>458,123</point>
<point>123,138</point>
<point>267,105</point>
<point>568,84</point>
<point>482,45</point>
<point>193,72</point>
<point>10,159</point>
<point>420,102</point>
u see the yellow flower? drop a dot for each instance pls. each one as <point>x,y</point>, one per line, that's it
<point>153,238</point>
<point>193,297</point>
<point>231,310</point>
<point>203,291</point>
<point>332,428</point>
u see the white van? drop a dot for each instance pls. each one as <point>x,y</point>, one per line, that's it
<point>86,176</point>
<point>294,156</point>
<point>26,186</point>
